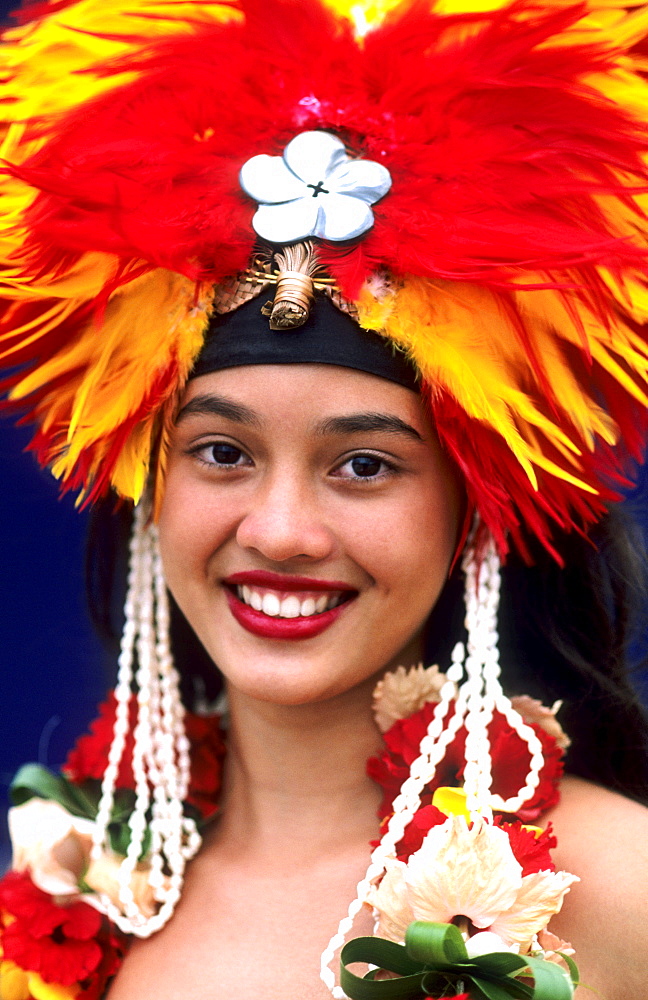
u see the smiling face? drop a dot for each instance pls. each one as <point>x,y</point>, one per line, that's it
<point>307,527</point>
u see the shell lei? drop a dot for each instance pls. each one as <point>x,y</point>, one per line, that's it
<point>461,888</point>
<point>440,923</point>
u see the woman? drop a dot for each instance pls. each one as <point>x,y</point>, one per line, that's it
<point>311,486</point>
<point>243,501</point>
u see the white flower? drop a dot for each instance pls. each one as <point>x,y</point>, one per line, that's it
<point>103,877</point>
<point>390,898</point>
<point>470,872</point>
<point>461,871</point>
<point>540,896</point>
<point>315,189</point>
<point>485,943</point>
<point>402,692</point>
<point>51,844</point>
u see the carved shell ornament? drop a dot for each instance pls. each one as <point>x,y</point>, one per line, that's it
<point>314,190</point>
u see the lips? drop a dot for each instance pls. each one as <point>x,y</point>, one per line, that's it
<point>278,606</point>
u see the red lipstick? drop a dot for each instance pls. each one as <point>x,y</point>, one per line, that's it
<point>275,627</point>
<point>281,581</point>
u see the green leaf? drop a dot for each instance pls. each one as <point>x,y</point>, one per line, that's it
<point>120,837</point>
<point>404,988</point>
<point>571,965</point>
<point>437,945</point>
<point>440,984</point>
<point>123,804</point>
<point>435,960</point>
<point>491,991</point>
<point>551,982</point>
<point>500,963</point>
<point>386,955</point>
<point>35,781</point>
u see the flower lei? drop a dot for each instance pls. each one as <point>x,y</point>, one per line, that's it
<point>462,910</point>
<point>55,944</point>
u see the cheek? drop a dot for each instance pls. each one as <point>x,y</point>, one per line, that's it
<point>190,530</point>
<point>407,549</point>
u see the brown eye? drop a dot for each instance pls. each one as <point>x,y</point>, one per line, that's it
<point>221,455</point>
<point>366,465</point>
<point>225,454</point>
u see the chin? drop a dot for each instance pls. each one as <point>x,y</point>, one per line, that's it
<point>292,676</point>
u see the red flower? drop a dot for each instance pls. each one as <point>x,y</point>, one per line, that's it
<point>509,753</point>
<point>207,754</point>
<point>89,756</point>
<point>531,851</point>
<point>64,944</point>
<point>421,823</point>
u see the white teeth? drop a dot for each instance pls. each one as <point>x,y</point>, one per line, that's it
<point>308,606</point>
<point>271,605</point>
<point>290,607</point>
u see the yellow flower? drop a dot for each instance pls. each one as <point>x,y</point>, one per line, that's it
<point>451,801</point>
<point>13,982</point>
<point>21,984</point>
<point>40,990</point>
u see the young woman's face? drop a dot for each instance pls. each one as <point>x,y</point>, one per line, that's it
<point>307,527</point>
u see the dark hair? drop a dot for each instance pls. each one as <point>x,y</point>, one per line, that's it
<point>565,634</point>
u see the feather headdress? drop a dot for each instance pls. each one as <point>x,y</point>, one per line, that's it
<point>508,260</point>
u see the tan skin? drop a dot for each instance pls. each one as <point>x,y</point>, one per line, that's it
<point>277,873</point>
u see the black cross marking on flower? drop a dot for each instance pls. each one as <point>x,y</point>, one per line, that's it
<point>318,188</point>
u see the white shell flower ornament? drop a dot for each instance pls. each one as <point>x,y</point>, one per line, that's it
<point>314,189</point>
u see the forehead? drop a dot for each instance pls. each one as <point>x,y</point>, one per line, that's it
<point>306,390</point>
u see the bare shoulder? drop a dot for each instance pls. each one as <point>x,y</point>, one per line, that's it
<point>603,838</point>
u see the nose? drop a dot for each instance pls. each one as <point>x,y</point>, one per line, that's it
<point>285,520</point>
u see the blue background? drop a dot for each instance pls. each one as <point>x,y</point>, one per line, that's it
<point>53,669</point>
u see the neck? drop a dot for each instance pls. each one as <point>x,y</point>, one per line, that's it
<point>295,776</point>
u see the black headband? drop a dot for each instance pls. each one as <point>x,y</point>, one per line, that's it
<point>328,337</point>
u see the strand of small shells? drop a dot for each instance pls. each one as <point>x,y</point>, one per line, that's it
<point>161,762</point>
<point>478,696</point>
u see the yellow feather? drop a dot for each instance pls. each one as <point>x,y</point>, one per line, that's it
<point>441,330</point>
<point>67,44</point>
<point>463,340</point>
<point>461,337</point>
<point>149,324</point>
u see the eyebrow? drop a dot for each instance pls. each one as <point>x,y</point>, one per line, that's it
<point>363,422</point>
<point>352,423</point>
<point>219,406</point>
